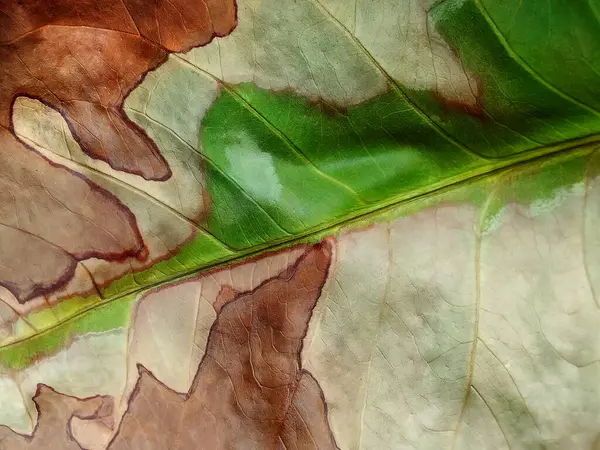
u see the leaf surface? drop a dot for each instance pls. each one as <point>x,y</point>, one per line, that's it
<point>444,155</point>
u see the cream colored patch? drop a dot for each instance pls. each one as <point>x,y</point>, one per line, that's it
<point>404,41</point>
<point>389,334</point>
<point>348,318</point>
<point>163,333</point>
<point>175,96</point>
<point>591,236</point>
<point>538,319</point>
<point>287,44</point>
<point>311,48</point>
<point>91,434</point>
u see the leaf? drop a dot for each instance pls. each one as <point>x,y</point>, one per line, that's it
<point>447,159</point>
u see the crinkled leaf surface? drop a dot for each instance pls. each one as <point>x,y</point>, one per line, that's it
<point>300,224</point>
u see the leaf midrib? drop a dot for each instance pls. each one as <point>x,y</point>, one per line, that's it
<point>496,167</point>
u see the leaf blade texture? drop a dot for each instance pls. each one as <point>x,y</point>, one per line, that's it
<point>324,224</point>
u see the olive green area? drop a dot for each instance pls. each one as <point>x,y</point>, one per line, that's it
<point>281,169</point>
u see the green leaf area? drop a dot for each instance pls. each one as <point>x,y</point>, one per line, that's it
<point>282,169</point>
